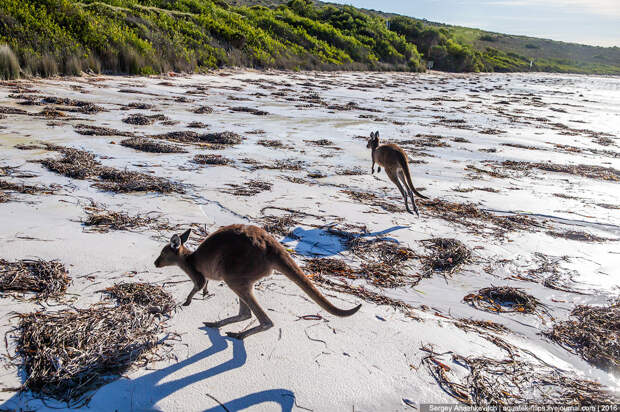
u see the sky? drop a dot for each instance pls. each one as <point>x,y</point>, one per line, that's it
<point>593,22</point>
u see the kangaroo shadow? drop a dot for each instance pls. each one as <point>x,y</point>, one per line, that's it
<point>325,242</point>
<point>145,392</point>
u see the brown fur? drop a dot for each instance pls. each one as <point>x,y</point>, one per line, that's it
<point>240,255</point>
<point>394,161</point>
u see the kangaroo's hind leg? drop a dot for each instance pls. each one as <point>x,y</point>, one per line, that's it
<point>246,295</point>
<point>394,179</point>
<point>401,177</point>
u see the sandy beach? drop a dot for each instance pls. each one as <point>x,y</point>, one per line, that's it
<point>522,169</point>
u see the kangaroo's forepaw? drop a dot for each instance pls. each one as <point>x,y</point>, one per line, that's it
<point>235,335</point>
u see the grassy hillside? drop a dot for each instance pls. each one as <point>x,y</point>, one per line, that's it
<point>148,36</point>
<point>505,52</point>
<point>47,37</point>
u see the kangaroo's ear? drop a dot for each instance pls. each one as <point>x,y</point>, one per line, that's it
<point>372,135</point>
<point>377,134</point>
<point>185,236</point>
<point>175,242</point>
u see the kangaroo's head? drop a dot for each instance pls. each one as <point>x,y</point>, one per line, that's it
<point>174,252</point>
<point>373,142</point>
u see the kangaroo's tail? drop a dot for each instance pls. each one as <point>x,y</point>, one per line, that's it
<point>285,264</point>
<point>405,167</point>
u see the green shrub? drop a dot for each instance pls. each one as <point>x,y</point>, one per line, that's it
<point>9,65</point>
<point>488,37</point>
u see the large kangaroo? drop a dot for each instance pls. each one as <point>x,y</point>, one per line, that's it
<point>394,160</point>
<point>239,255</point>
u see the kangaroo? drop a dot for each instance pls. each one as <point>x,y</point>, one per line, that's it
<point>239,255</point>
<point>394,160</point>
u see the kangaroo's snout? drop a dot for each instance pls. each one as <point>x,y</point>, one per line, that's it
<point>157,263</point>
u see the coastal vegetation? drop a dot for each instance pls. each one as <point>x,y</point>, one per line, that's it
<point>50,37</point>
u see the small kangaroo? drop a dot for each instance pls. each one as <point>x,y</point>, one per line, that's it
<point>394,160</point>
<point>239,255</point>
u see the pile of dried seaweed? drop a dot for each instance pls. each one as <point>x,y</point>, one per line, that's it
<point>88,130</point>
<point>152,298</point>
<point>580,236</point>
<point>148,145</point>
<point>386,275</point>
<point>213,140</point>
<point>470,215</point>
<point>80,105</point>
<point>376,249</point>
<point>211,159</point>
<point>503,299</point>
<point>143,120</point>
<point>197,125</point>
<point>379,274</point>
<point>280,164</point>
<point>594,334</point>
<point>123,181</point>
<point>68,353</point>
<point>203,110</point>
<point>21,188</point>
<point>229,138</point>
<point>250,188</point>
<point>512,382</point>
<point>356,171</point>
<point>279,225</point>
<point>251,110</point>
<point>101,219</point>
<point>447,254</point>
<point>137,105</point>
<point>79,164</point>
<point>48,279</point>
<point>271,143</point>
<point>319,142</point>
<point>591,171</point>
<point>51,113</point>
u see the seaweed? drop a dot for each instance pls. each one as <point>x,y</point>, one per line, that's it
<point>70,353</point>
<point>211,159</point>
<point>79,164</point>
<point>593,333</point>
<point>152,298</point>
<point>447,255</point>
<point>589,171</point>
<point>88,130</point>
<point>47,279</point>
<point>579,236</point>
<point>503,299</point>
<point>142,119</point>
<point>510,381</point>
<point>148,145</point>
<point>250,188</point>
